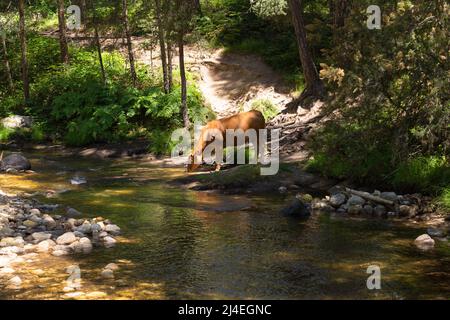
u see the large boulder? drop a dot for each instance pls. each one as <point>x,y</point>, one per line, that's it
<point>17,122</point>
<point>15,161</point>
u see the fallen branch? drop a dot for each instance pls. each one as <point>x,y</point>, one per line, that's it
<point>370,197</point>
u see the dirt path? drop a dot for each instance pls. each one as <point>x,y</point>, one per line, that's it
<point>229,82</point>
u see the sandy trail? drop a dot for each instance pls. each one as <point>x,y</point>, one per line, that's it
<point>229,82</point>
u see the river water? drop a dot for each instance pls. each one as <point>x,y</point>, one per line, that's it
<point>182,244</point>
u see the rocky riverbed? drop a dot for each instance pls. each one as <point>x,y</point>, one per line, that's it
<point>344,201</point>
<point>30,230</point>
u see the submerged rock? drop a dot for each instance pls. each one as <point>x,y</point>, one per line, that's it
<point>107,274</point>
<point>424,242</point>
<point>15,161</point>
<point>72,213</point>
<point>78,180</point>
<point>435,232</point>
<point>113,229</point>
<point>297,209</point>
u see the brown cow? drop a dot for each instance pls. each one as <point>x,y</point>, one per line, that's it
<point>244,121</point>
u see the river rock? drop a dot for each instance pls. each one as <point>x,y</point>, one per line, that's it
<point>49,222</point>
<point>356,200</point>
<point>35,212</point>
<point>6,231</point>
<point>36,219</point>
<point>85,245</point>
<point>45,246</point>
<point>355,209</point>
<point>6,272</point>
<point>72,213</point>
<point>17,122</point>
<point>10,241</point>
<point>297,209</point>
<point>11,250</point>
<point>424,242</point>
<point>436,233</point>
<point>337,199</point>
<point>282,189</point>
<point>112,266</point>
<point>113,229</point>
<point>392,196</point>
<point>97,227</point>
<point>321,205</point>
<point>379,210</point>
<point>85,228</point>
<point>30,224</point>
<point>109,242</point>
<point>41,236</point>
<point>367,209</point>
<point>60,253</point>
<point>407,210</point>
<point>15,281</point>
<point>77,180</point>
<point>15,161</point>
<point>107,274</point>
<point>66,238</point>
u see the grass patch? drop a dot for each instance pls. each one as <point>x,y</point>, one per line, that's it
<point>5,133</point>
<point>427,174</point>
<point>444,199</point>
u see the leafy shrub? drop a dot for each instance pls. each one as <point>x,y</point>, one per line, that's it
<point>266,107</point>
<point>5,133</point>
<point>445,198</point>
<point>423,173</point>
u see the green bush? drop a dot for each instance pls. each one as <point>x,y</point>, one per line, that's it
<point>388,105</point>
<point>423,173</point>
<point>444,199</point>
<point>266,107</point>
<point>5,133</point>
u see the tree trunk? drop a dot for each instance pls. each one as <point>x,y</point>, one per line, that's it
<point>129,43</point>
<point>98,44</point>
<point>7,65</point>
<point>313,84</point>
<point>62,32</point>
<point>340,12</point>
<point>170,65</point>
<point>99,51</point>
<point>184,106</point>
<point>198,7</point>
<point>23,46</point>
<point>162,44</point>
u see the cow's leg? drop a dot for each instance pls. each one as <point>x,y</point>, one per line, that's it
<point>218,166</point>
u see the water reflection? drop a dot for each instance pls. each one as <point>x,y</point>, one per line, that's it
<point>185,244</point>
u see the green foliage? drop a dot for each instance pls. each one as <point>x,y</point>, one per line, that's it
<point>389,109</point>
<point>423,173</point>
<point>444,199</point>
<point>5,133</point>
<point>71,102</point>
<point>266,107</point>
